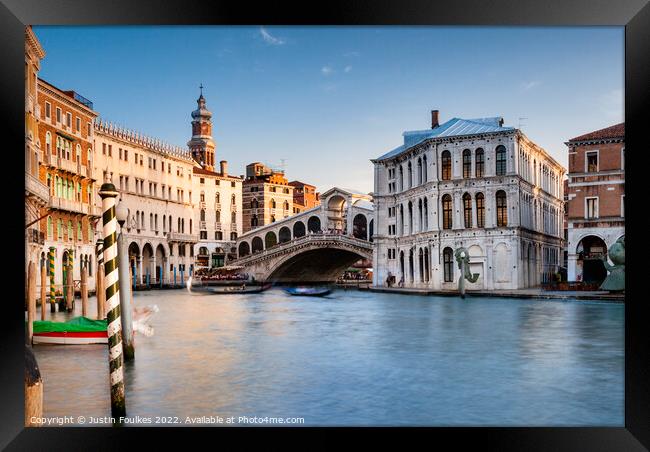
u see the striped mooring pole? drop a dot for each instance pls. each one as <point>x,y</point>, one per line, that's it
<point>50,257</point>
<point>108,193</point>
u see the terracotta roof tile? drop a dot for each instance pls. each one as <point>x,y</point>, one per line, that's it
<point>616,131</point>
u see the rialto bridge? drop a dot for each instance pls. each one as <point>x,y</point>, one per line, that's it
<point>316,245</point>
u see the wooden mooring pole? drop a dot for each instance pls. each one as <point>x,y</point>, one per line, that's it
<point>43,287</point>
<point>100,293</point>
<point>33,390</point>
<point>69,289</point>
<point>84,292</point>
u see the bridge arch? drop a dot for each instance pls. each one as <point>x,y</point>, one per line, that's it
<point>270,240</point>
<point>360,226</point>
<point>284,235</point>
<point>313,224</point>
<point>244,249</point>
<point>298,229</point>
<point>257,245</point>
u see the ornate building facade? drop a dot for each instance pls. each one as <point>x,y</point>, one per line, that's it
<point>37,194</point>
<point>596,198</point>
<point>472,183</point>
<point>155,182</point>
<point>218,212</point>
<point>267,196</point>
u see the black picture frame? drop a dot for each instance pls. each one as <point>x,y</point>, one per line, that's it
<point>634,15</point>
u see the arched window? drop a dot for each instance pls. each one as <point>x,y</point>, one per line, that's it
<point>79,233</point>
<point>502,208</point>
<point>448,264</point>
<point>467,210</point>
<point>233,200</point>
<point>401,178</point>
<point>233,218</point>
<point>480,210</point>
<point>59,229</point>
<point>419,171</point>
<point>401,219</point>
<point>233,236</point>
<point>445,165</point>
<point>272,203</point>
<point>480,163</point>
<point>501,160</point>
<point>424,169</point>
<point>217,198</point>
<point>254,203</point>
<point>50,228</point>
<point>411,265</point>
<point>410,175</point>
<point>78,153</point>
<point>151,221</point>
<point>446,212</point>
<point>467,164</point>
<point>202,196</point>
<point>420,222</point>
<point>285,205</point>
<point>410,212</point>
<point>48,144</point>
<point>421,264</point>
<point>69,229</point>
<point>202,215</point>
<point>254,221</point>
<point>426,215</point>
<point>426,265</point>
<point>190,226</point>
<point>218,215</point>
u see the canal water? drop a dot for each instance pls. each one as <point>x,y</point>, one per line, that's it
<point>356,358</point>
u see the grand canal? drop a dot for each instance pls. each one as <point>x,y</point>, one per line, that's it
<point>357,358</point>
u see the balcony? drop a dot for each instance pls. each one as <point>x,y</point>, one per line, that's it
<point>233,227</point>
<point>217,206</point>
<point>35,236</point>
<point>217,226</point>
<point>202,225</point>
<point>233,207</point>
<point>178,237</point>
<point>201,204</point>
<point>70,206</point>
<point>35,187</point>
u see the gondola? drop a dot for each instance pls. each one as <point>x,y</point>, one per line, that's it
<point>197,286</point>
<point>308,291</point>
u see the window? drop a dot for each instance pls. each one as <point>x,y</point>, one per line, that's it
<point>202,180</point>
<point>501,160</point>
<point>272,203</point>
<point>68,119</point>
<point>110,150</point>
<point>58,114</point>
<point>233,236</point>
<point>480,210</point>
<point>502,208</point>
<point>204,235</point>
<point>78,124</point>
<point>446,212</point>
<point>410,176</point>
<point>233,200</point>
<point>202,215</point>
<point>592,162</point>
<point>467,210</point>
<point>69,229</point>
<point>591,208</point>
<point>48,110</point>
<point>446,165</point>
<point>448,264</point>
<point>48,143</point>
<point>79,235</point>
<point>467,164</point>
<point>50,228</point>
<point>59,229</point>
<point>88,129</point>
<point>233,218</point>
<point>218,235</point>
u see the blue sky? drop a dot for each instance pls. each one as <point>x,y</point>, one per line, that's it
<point>328,99</point>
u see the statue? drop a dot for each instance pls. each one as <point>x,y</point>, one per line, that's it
<point>462,257</point>
<point>615,281</point>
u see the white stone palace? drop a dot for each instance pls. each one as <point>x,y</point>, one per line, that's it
<point>469,183</point>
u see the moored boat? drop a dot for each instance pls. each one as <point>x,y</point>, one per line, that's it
<point>199,286</point>
<point>79,330</point>
<point>308,291</point>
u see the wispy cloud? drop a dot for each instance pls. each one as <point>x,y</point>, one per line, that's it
<point>526,86</point>
<point>270,39</point>
<point>347,69</point>
<point>327,70</point>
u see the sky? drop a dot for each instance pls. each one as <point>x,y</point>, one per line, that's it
<point>321,102</point>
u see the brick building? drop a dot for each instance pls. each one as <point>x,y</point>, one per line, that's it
<point>596,212</point>
<point>266,196</point>
<point>305,196</point>
<point>66,168</point>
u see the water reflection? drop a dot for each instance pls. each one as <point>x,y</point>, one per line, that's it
<point>358,358</point>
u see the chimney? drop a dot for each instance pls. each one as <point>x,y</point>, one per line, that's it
<point>434,119</point>
<point>224,167</point>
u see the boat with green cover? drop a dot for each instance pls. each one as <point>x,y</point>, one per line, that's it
<point>79,330</point>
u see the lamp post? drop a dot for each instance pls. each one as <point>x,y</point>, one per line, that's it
<point>126,309</point>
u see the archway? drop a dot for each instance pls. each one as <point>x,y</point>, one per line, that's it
<point>270,240</point>
<point>257,245</point>
<point>371,229</point>
<point>360,227</point>
<point>336,213</point>
<point>298,229</point>
<point>160,263</point>
<point>134,257</point>
<point>313,224</point>
<point>147,260</point>
<point>590,268</point>
<point>244,249</point>
<point>284,235</point>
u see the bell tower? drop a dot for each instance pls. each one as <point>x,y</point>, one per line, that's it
<point>201,145</point>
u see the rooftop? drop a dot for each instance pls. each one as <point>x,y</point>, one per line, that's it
<point>615,131</point>
<point>452,128</point>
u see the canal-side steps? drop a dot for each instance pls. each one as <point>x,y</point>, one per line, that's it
<point>521,293</point>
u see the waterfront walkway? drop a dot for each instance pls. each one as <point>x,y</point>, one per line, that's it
<point>535,292</point>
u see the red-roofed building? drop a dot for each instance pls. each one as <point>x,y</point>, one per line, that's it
<point>305,196</point>
<point>596,200</point>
